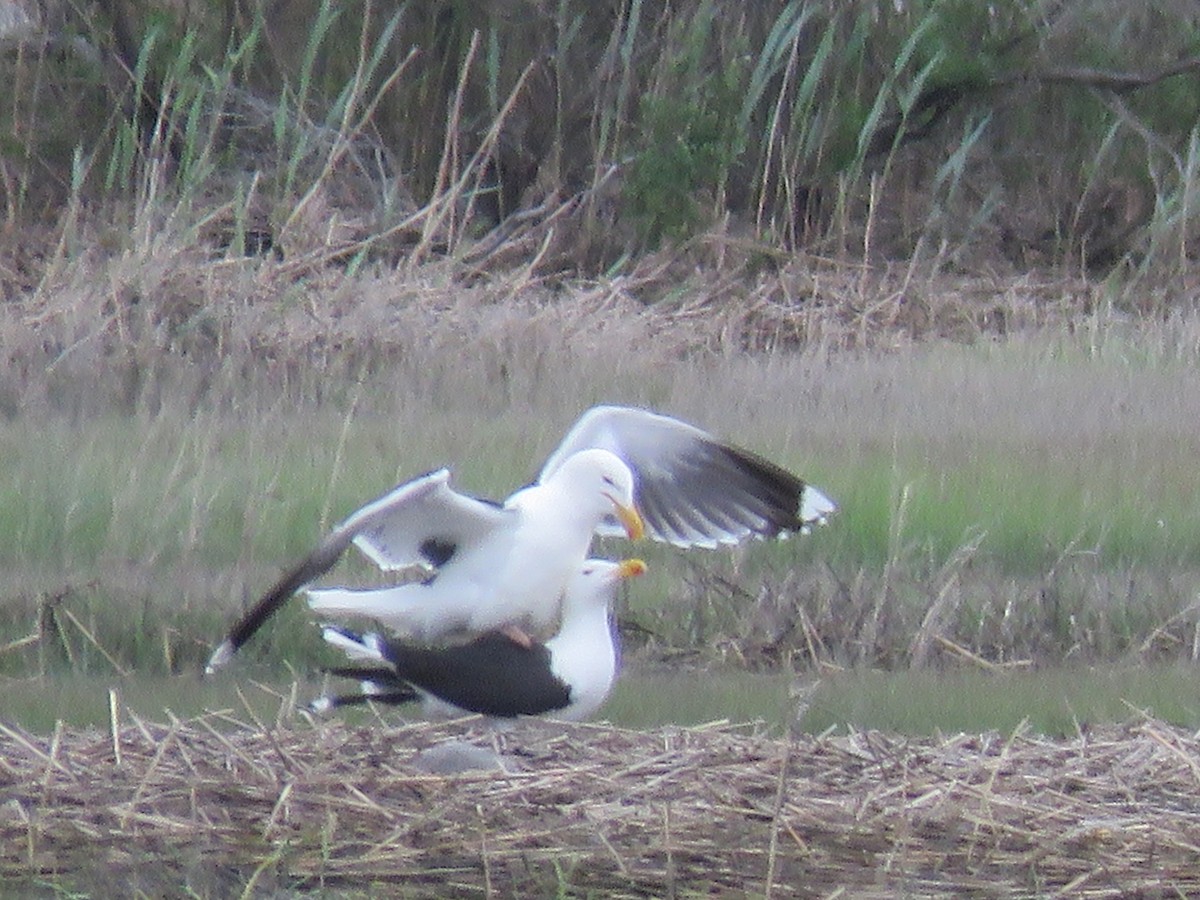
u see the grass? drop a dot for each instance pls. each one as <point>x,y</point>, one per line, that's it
<point>1024,503</point>
<point>1055,701</point>
<point>921,452</point>
<point>1036,463</point>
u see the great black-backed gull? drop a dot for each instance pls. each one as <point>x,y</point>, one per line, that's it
<point>568,677</point>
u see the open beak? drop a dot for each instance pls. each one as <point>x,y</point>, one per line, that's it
<point>635,528</point>
<point>631,568</point>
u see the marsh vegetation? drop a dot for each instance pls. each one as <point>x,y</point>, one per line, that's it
<point>256,268</point>
<point>1010,434</point>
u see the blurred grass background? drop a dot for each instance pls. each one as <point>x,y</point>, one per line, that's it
<point>1002,509</point>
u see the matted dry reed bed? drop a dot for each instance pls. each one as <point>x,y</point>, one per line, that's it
<point>215,807</point>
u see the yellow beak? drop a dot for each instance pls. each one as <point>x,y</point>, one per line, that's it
<point>635,528</point>
<point>631,568</point>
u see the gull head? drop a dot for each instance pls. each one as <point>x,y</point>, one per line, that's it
<point>596,581</point>
<point>603,475</point>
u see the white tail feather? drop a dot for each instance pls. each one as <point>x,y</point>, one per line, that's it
<point>365,648</point>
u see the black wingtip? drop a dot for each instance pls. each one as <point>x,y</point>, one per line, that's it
<point>779,490</point>
<point>314,565</point>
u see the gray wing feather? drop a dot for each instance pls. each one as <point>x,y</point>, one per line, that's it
<point>692,489</point>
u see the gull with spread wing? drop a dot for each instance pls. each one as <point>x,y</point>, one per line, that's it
<point>506,566</point>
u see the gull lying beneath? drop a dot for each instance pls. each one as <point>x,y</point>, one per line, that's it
<point>568,677</point>
<point>507,565</point>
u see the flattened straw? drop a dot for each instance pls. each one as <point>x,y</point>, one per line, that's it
<point>143,784</point>
<point>621,867</point>
<point>183,754</point>
<point>869,813</point>
<point>988,790</point>
<point>248,892</point>
<point>526,277</point>
<point>801,844</point>
<point>484,856</point>
<point>1163,631</point>
<point>276,809</point>
<point>671,774</point>
<point>669,847</point>
<point>773,844</point>
<point>226,716</point>
<point>1078,881</point>
<point>288,704</point>
<point>50,761</point>
<point>266,773</point>
<point>288,760</point>
<point>367,803</point>
<point>250,711</point>
<point>961,651</point>
<point>1174,750</point>
<point>31,638</point>
<point>146,732</point>
<point>652,762</point>
<point>47,620</point>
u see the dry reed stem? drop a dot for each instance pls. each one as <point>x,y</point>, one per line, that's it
<point>717,810</point>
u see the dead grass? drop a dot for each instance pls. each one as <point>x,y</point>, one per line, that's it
<point>172,306</point>
<point>217,806</point>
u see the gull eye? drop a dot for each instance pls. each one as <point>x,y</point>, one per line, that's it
<point>609,481</point>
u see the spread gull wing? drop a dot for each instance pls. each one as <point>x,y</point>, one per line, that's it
<point>422,522</point>
<point>692,489</point>
<point>426,525</point>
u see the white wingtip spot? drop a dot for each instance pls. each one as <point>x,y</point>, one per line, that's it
<point>375,643</point>
<point>815,508</point>
<point>220,657</point>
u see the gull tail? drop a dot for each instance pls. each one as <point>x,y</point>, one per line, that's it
<point>369,692</point>
<point>378,682</point>
<point>368,647</point>
<point>383,604</point>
